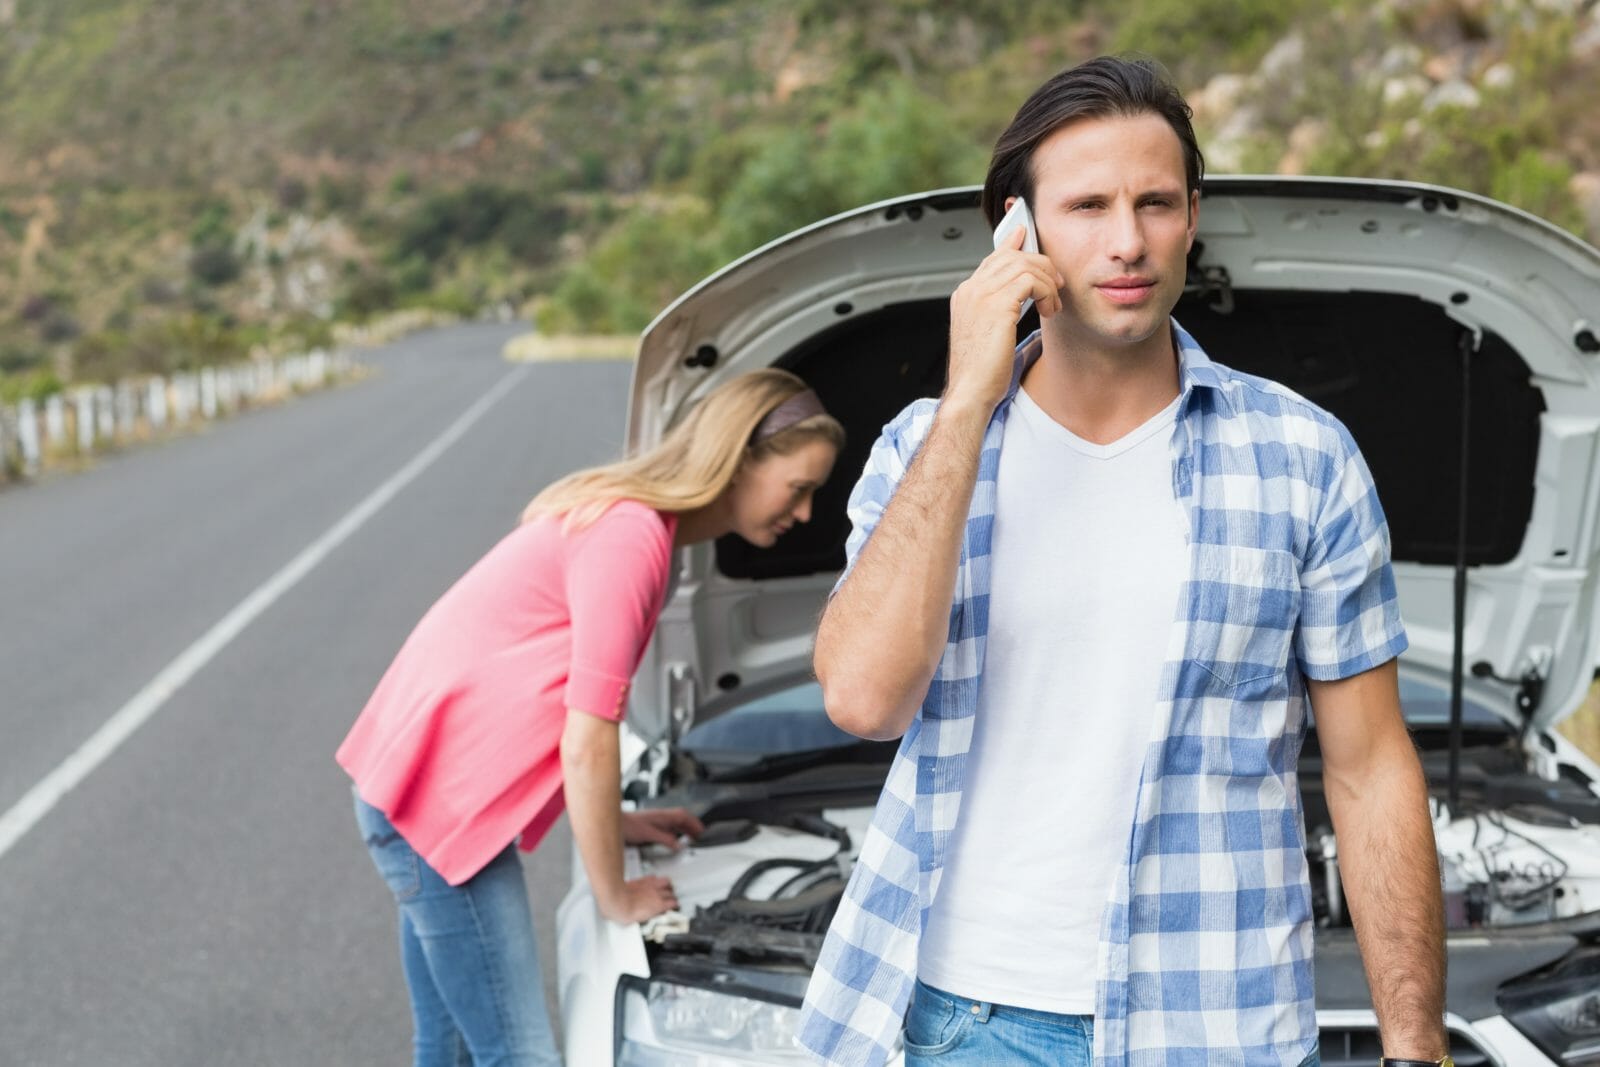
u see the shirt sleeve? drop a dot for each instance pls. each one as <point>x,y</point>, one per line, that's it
<point>886,465</point>
<point>615,579</point>
<point>1349,609</point>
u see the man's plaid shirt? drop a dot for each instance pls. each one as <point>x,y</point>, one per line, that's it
<point>1205,944</point>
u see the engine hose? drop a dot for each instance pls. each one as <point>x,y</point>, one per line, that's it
<point>741,888</point>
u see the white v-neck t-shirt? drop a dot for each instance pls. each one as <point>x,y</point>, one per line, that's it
<point>1090,554</point>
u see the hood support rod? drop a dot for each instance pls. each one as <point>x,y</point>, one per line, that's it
<point>1467,345</point>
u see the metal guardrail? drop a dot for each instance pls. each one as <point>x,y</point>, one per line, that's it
<point>84,420</point>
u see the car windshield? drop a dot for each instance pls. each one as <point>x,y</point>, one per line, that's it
<point>793,720</point>
<point>781,723</point>
<point>1427,704</point>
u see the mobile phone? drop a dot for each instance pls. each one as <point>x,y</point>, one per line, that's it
<point>1019,215</point>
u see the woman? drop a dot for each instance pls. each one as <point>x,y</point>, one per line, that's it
<point>503,705</point>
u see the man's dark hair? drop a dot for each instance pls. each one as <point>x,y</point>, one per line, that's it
<point>1108,85</point>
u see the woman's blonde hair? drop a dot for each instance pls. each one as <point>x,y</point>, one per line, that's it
<point>696,460</point>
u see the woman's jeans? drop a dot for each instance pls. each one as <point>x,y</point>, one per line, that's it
<point>471,963</point>
<point>944,1029</point>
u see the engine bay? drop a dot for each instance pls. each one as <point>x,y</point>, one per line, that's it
<point>759,889</point>
<point>757,893</point>
<point>1518,849</point>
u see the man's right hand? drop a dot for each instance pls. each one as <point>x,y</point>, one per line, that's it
<point>875,673</point>
<point>640,899</point>
<point>983,320</point>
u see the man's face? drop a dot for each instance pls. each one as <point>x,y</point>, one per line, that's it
<point>1114,216</point>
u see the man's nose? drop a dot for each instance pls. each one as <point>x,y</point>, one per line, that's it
<point>802,512</point>
<point>1127,235</point>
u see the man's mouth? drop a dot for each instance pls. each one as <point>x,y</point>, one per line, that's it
<point>1129,290</point>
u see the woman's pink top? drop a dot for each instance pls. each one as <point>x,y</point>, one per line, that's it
<point>460,746</point>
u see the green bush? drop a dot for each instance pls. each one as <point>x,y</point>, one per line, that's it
<point>457,298</point>
<point>476,215</point>
<point>336,195</point>
<point>581,304</point>
<point>646,259</point>
<point>16,359</point>
<point>214,264</point>
<point>366,292</point>
<point>304,332</point>
<point>896,141</point>
<point>59,325</point>
<point>211,225</point>
<point>172,343</point>
<point>1189,35</point>
<point>641,263</point>
<point>413,274</point>
<point>1535,182</point>
<point>32,385</point>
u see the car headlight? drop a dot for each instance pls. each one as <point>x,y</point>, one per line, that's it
<point>663,1024</point>
<point>1560,1011</point>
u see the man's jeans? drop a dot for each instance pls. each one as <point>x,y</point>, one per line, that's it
<point>470,959</point>
<point>944,1029</point>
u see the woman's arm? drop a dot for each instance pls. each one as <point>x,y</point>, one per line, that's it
<point>614,581</point>
<point>591,765</point>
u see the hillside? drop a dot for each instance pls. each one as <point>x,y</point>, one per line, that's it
<point>182,181</point>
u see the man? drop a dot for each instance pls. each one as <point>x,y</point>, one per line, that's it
<point>1093,587</point>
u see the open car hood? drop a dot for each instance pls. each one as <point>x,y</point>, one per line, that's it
<point>1367,297</point>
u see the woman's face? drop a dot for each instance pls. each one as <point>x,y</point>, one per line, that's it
<point>771,494</point>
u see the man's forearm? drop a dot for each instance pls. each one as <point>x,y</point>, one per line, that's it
<point>884,631</point>
<point>1390,869</point>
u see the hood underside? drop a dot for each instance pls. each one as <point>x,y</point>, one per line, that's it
<point>1385,303</point>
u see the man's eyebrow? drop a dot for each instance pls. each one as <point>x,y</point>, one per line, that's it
<point>1078,196</point>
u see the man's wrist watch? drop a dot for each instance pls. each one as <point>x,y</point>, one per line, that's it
<point>1390,1061</point>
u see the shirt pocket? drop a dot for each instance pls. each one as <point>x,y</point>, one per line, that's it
<point>1243,605</point>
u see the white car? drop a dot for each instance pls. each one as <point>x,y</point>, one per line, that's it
<point>1377,300</point>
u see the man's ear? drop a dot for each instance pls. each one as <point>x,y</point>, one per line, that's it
<point>1194,215</point>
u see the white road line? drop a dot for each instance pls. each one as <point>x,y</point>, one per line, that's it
<point>25,814</point>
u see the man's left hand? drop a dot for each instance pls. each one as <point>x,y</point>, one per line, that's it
<point>659,826</point>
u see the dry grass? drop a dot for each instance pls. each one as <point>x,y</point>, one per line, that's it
<point>1583,729</point>
<point>542,348</point>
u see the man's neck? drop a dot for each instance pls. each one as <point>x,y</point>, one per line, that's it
<point>1102,395</point>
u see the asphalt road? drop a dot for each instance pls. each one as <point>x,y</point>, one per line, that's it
<point>201,897</point>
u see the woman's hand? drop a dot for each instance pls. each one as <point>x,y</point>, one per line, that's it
<point>659,826</point>
<point>645,898</point>
<point>639,899</point>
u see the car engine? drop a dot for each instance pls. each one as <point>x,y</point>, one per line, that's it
<point>1519,849</point>
<point>790,876</point>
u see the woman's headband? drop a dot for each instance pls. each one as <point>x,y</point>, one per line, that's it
<point>796,409</point>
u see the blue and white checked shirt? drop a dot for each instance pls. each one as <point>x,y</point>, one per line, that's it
<point>1205,944</point>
